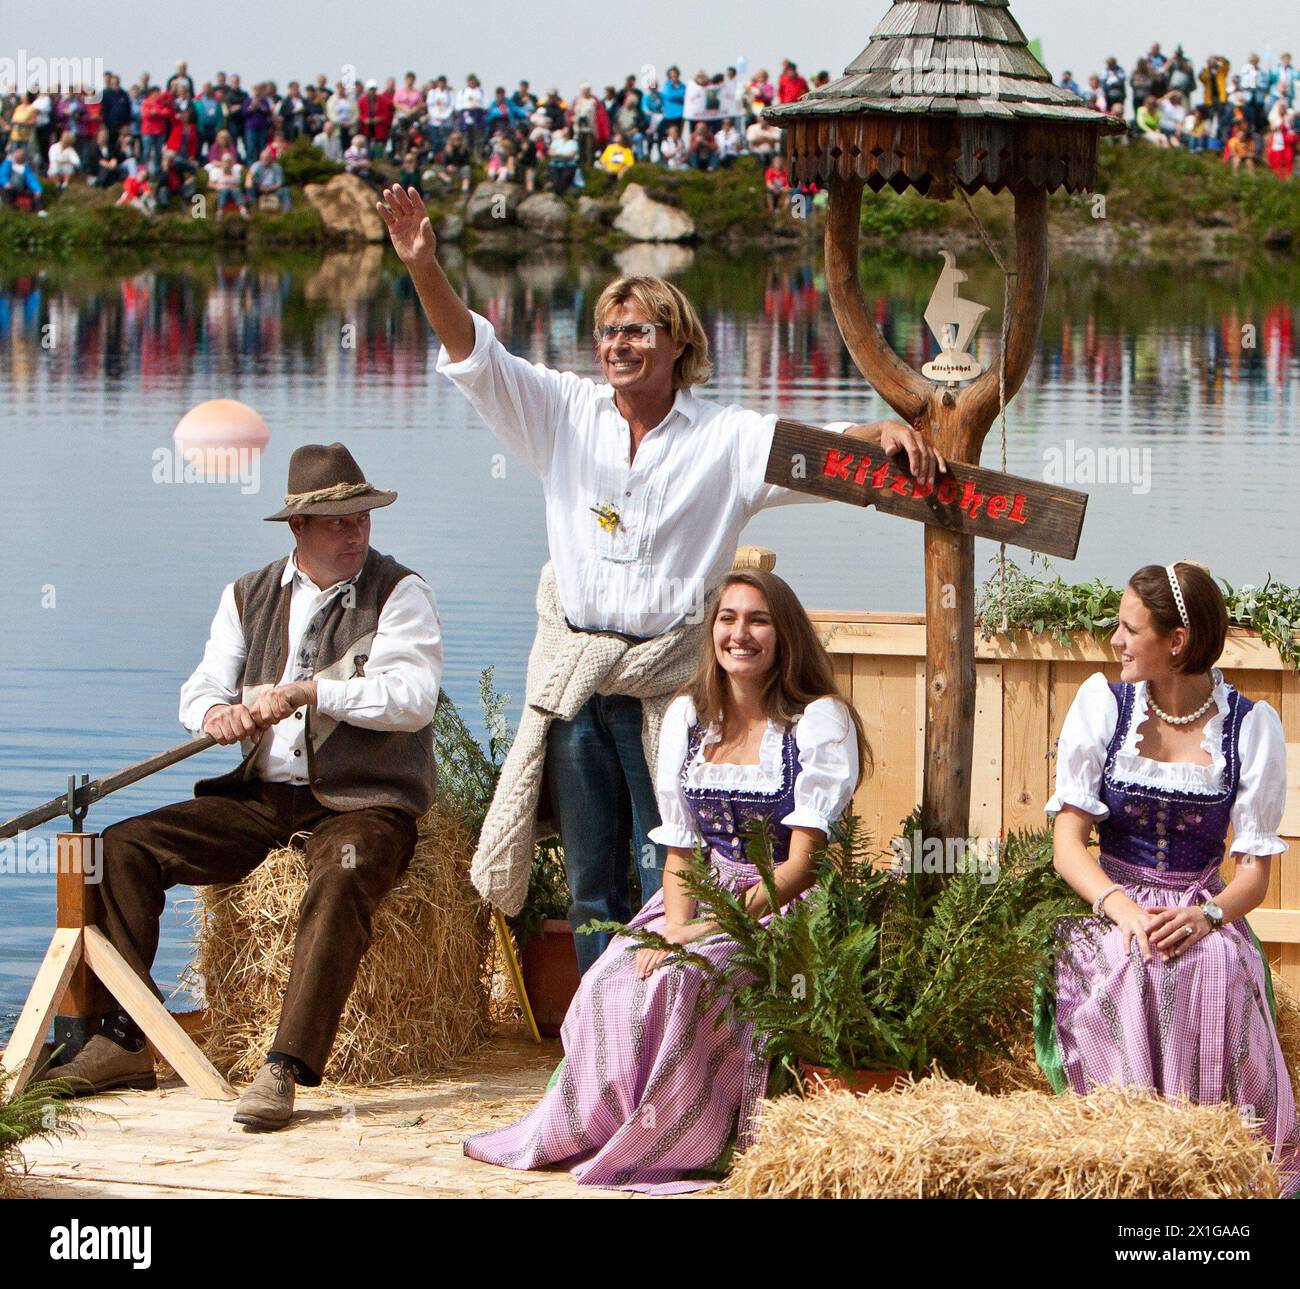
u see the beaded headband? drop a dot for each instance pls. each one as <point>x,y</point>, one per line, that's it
<point>1178,595</point>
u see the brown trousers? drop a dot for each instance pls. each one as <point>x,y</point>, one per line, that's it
<point>223,839</point>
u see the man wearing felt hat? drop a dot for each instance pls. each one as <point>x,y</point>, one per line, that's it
<point>325,667</point>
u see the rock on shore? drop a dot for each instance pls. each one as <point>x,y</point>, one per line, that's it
<point>545,214</point>
<point>493,205</point>
<point>644,219</point>
<point>346,205</point>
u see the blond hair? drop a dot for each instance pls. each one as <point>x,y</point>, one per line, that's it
<point>663,302</point>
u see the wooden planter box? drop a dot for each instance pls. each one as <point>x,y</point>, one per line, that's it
<point>1024,687</point>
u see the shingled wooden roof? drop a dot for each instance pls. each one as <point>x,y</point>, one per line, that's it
<point>963,62</point>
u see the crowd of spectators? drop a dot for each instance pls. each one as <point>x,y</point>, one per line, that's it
<point>152,140</point>
<point>1245,116</point>
<point>149,142</point>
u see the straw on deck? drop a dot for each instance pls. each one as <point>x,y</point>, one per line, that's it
<point>942,1139</point>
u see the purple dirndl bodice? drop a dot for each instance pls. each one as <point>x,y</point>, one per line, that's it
<point>721,813</point>
<point>1165,828</point>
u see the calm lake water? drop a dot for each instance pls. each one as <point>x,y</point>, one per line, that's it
<point>109,578</point>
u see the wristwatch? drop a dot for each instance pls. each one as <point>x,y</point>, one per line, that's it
<point>1213,914</point>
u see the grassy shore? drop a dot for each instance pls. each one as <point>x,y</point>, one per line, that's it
<point>1157,203</point>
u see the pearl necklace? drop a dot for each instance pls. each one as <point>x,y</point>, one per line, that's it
<point>1215,680</point>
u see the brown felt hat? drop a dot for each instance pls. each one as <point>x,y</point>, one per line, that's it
<point>326,480</point>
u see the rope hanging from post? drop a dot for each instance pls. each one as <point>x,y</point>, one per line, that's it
<point>1007,275</point>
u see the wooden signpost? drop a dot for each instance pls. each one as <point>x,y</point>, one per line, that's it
<point>946,96</point>
<point>968,499</point>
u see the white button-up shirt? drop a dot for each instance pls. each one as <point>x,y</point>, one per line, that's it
<point>681,504</point>
<point>398,692</point>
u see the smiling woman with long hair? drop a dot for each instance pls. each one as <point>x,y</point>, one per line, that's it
<point>1166,987</point>
<point>652,1086</point>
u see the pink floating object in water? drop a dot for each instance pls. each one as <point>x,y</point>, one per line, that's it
<point>214,434</point>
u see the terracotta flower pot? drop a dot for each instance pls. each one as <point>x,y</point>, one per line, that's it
<point>858,1081</point>
<point>550,968</point>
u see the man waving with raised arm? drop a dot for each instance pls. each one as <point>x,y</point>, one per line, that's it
<point>647,491</point>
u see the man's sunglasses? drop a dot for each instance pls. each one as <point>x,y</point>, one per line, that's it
<point>636,332</point>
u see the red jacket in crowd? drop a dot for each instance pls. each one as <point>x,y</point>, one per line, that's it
<point>790,88</point>
<point>375,115</point>
<point>90,118</point>
<point>157,113</point>
<point>184,138</point>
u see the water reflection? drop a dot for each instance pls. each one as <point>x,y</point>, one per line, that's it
<point>354,315</point>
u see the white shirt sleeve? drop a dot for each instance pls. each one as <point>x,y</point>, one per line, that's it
<point>403,671</point>
<point>216,679</point>
<point>1081,752</point>
<point>519,400</point>
<point>755,448</point>
<point>828,760</point>
<point>677,826</point>
<point>1260,802</point>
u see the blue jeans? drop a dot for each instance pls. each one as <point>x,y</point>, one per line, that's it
<point>255,139</point>
<point>153,150</point>
<point>604,800</point>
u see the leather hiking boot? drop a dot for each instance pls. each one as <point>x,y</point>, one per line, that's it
<point>267,1102</point>
<point>103,1065</point>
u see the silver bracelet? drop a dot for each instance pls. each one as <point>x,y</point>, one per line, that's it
<point>1101,899</point>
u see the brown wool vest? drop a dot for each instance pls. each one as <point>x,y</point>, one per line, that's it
<point>348,767</point>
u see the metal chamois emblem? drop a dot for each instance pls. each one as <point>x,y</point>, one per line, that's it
<point>953,322</point>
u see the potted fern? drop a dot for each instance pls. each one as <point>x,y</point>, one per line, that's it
<point>875,971</point>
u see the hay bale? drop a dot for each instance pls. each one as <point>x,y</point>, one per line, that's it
<point>942,1139</point>
<point>421,998</point>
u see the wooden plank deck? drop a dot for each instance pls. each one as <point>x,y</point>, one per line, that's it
<point>400,1139</point>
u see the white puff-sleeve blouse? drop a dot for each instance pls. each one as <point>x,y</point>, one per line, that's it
<point>1260,802</point>
<point>823,788</point>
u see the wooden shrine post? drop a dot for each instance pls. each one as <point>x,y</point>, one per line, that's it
<point>945,95</point>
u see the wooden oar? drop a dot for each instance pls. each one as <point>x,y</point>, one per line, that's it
<point>87,793</point>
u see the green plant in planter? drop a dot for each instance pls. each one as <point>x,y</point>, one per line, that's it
<point>467,774</point>
<point>1045,604</point>
<point>875,969</point>
<point>1272,609</point>
<point>1050,604</point>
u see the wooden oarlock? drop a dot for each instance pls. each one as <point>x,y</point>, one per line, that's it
<point>61,990</point>
<point>62,983</point>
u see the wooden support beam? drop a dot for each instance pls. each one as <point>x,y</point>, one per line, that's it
<point>24,1047</point>
<point>901,387</point>
<point>76,903</point>
<point>1275,926</point>
<point>180,1051</point>
<point>979,401</point>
